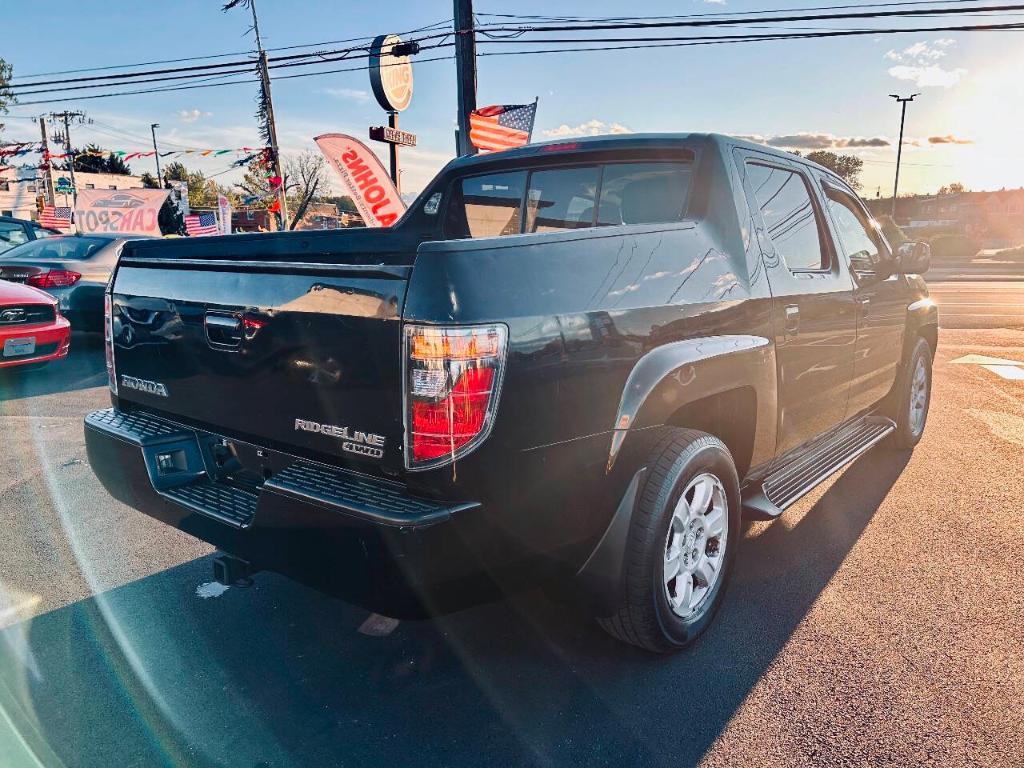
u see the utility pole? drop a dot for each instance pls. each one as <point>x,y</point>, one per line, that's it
<point>902,101</point>
<point>282,196</point>
<point>47,172</point>
<point>66,116</point>
<point>156,154</point>
<point>465,70</point>
<point>271,124</point>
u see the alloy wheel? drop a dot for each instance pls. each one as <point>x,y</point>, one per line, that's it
<point>695,545</point>
<point>918,397</point>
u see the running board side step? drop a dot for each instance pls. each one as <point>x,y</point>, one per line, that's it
<point>826,456</point>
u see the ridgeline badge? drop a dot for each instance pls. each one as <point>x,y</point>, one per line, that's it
<point>353,440</point>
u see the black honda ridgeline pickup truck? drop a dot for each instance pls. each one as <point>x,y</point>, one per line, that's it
<point>573,364</point>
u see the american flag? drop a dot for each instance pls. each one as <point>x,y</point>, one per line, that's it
<point>503,126</point>
<point>201,224</point>
<point>56,218</point>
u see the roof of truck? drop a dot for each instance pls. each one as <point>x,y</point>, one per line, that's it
<point>630,141</point>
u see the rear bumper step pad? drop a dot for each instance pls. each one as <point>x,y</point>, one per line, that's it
<point>192,482</point>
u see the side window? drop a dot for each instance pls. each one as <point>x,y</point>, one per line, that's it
<point>856,235</point>
<point>486,206</point>
<point>643,193</point>
<point>11,235</point>
<point>560,199</point>
<point>789,216</point>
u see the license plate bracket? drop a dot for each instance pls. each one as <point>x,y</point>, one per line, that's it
<point>20,347</point>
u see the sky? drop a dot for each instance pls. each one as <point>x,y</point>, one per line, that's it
<point>817,94</point>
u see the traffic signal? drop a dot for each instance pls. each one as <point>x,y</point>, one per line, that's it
<point>40,203</point>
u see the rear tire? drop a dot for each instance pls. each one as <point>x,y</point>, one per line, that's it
<point>913,397</point>
<point>686,523</point>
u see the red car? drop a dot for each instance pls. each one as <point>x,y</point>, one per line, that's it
<point>32,329</point>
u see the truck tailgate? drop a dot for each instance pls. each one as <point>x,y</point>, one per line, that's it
<point>299,356</point>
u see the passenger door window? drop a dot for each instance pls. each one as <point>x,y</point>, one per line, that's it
<point>789,216</point>
<point>561,199</point>
<point>643,193</point>
<point>486,206</point>
<point>857,237</point>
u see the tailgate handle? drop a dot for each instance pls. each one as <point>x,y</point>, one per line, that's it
<point>223,331</point>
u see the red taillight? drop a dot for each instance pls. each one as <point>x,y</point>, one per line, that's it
<point>108,341</point>
<point>54,278</point>
<point>452,384</point>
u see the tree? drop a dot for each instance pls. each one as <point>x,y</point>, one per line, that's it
<point>6,96</point>
<point>305,180</point>
<point>149,181</point>
<point>305,176</point>
<point>955,188</point>
<point>169,219</point>
<point>202,192</point>
<point>846,166</point>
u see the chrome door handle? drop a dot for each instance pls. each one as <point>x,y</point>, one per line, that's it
<point>223,331</point>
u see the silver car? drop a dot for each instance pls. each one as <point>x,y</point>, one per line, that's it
<point>72,268</point>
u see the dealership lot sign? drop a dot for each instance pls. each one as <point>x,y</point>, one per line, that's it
<point>120,211</point>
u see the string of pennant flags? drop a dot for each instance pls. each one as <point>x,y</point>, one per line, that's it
<point>25,148</point>
<point>260,158</point>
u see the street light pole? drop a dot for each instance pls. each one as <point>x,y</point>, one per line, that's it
<point>156,155</point>
<point>899,147</point>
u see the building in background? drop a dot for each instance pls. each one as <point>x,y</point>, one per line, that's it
<point>993,219</point>
<point>19,188</point>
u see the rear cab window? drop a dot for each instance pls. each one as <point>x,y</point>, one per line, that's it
<point>562,198</point>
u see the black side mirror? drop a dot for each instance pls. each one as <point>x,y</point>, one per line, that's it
<point>913,258</point>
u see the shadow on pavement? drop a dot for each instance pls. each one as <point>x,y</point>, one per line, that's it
<point>84,367</point>
<point>276,675</point>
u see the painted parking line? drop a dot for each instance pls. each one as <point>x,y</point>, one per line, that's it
<point>1011,372</point>
<point>985,360</point>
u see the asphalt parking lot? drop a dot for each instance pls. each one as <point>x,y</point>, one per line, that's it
<point>880,621</point>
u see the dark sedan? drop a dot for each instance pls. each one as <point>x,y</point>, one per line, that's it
<point>72,268</point>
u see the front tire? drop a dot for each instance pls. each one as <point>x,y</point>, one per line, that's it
<point>681,545</point>
<point>913,397</point>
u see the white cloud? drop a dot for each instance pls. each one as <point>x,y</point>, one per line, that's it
<point>191,115</point>
<point>917,63</point>
<point>593,127</point>
<point>349,94</point>
<point>931,76</point>
<point>809,140</point>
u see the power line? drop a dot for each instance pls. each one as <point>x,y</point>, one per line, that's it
<point>703,39</point>
<point>803,9</point>
<point>579,45</point>
<point>165,89</point>
<point>681,42</point>
<point>132,78</point>
<point>428,27</point>
<point>590,27</point>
